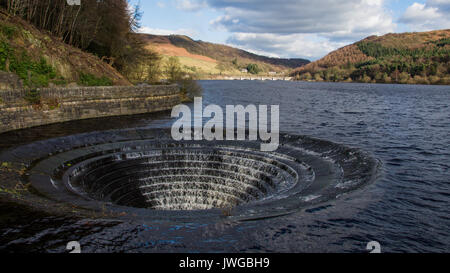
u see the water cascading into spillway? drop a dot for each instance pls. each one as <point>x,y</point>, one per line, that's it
<point>182,178</point>
<point>144,169</point>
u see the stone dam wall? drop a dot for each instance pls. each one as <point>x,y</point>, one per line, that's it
<point>57,105</point>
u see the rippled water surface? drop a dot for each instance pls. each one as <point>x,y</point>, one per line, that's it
<point>406,210</point>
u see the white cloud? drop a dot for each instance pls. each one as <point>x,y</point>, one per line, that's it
<point>158,31</point>
<point>349,19</point>
<point>161,4</point>
<point>309,46</point>
<point>191,5</point>
<point>299,28</point>
<point>434,14</point>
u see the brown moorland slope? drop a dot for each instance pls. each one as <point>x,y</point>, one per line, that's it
<point>163,46</point>
<point>231,59</point>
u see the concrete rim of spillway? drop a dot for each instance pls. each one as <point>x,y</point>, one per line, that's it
<point>146,174</point>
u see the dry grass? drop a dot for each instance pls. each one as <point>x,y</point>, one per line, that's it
<point>342,56</point>
<point>168,49</point>
<point>206,56</point>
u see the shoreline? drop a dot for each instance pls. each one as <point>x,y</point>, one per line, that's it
<point>293,80</point>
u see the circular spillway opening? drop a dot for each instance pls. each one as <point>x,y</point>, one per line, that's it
<point>181,177</point>
<point>145,172</point>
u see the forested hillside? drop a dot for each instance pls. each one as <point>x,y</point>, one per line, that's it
<point>412,58</point>
<point>51,40</point>
<point>40,59</point>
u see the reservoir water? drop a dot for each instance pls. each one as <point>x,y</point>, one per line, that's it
<point>407,209</point>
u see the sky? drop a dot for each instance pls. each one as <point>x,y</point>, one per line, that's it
<point>290,28</point>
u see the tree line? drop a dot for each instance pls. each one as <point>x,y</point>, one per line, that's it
<point>376,50</point>
<point>429,64</point>
<point>105,28</point>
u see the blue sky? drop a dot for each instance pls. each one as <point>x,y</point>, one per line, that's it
<point>291,28</point>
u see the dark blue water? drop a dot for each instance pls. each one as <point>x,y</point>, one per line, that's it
<point>406,210</point>
<point>407,127</point>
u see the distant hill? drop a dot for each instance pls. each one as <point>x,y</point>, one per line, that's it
<point>413,58</point>
<point>214,59</point>
<point>40,59</point>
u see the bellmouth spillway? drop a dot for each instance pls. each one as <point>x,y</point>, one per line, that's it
<point>145,172</point>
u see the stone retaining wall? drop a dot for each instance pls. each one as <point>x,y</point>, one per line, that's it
<point>66,104</point>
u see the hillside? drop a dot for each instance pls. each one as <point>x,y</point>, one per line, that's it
<point>41,60</point>
<point>413,58</point>
<point>214,59</point>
